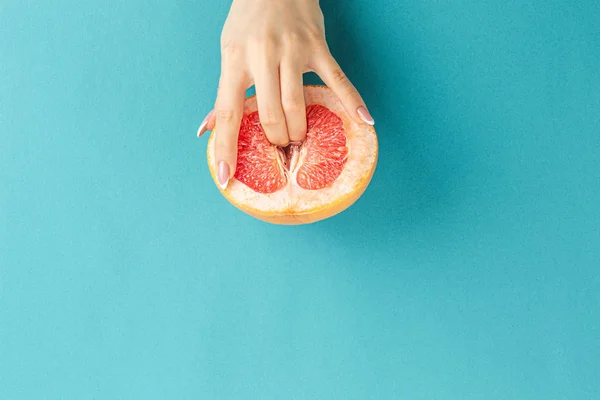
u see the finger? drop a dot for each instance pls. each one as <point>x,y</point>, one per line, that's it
<point>268,97</point>
<point>292,99</point>
<point>228,115</point>
<point>333,76</point>
<point>208,123</point>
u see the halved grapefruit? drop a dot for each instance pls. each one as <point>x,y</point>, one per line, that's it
<point>303,183</point>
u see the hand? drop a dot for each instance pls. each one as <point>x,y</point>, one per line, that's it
<point>270,44</point>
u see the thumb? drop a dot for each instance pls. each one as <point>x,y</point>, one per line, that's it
<point>208,123</point>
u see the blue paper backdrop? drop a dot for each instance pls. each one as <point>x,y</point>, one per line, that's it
<point>468,270</point>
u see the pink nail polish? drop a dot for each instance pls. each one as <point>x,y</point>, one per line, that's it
<point>202,127</point>
<point>223,174</point>
<point>365,116</point>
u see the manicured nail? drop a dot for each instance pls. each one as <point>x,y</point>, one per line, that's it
<point>223,174</point>
<point>365,116</point>
<point>202,128</point>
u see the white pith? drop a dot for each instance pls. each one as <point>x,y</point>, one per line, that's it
<point>289,166</point>
<point>362,156</point>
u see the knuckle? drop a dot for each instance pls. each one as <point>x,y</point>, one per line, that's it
<point>270,119</point>
<point>264,41</point>
<point>291,39</point>
<point>225,115</point>
<point>351,92</point>
<point>223,146</point>
<point>294,104</point>
<point>317,39</point>
<point>314,33</point>
<point>270,122</point>
<point>226,149</point>
<point>344,83</point>
<point>339,77</point>
<point>226,142</point>
<point>231,49</point>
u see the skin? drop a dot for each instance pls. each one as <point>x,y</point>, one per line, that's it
<point>270,44</point>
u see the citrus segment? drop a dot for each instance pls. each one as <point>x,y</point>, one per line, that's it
<point>325,148</point>
<point>259,164</point>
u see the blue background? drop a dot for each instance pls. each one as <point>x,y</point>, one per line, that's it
<point>469,269</point>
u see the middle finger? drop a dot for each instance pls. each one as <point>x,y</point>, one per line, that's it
<point>268,97</point>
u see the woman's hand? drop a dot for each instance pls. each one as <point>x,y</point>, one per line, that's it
<point>270,44</point>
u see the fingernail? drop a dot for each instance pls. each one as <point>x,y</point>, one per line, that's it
<point>365,116</point>
<point>223,174</point>
<point>295,143</point>
<point>202,127</point>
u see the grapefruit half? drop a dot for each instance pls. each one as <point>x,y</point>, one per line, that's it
<point>301,183</point>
